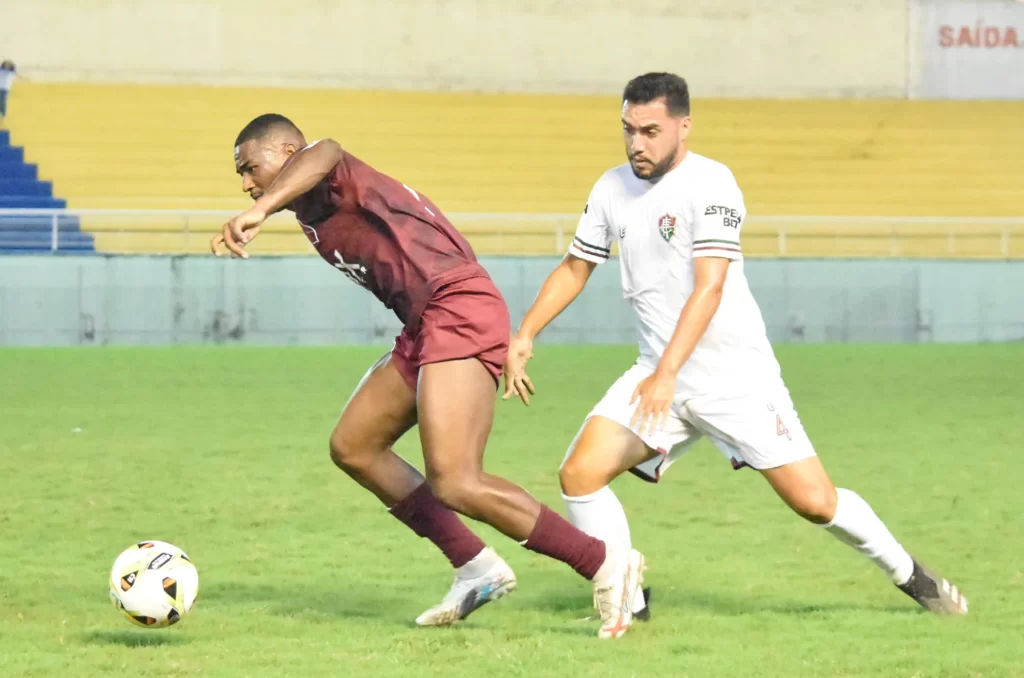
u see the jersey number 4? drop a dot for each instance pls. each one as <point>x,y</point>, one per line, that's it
<point>780,428</point>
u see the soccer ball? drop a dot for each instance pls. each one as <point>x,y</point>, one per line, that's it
<point>154,584</point>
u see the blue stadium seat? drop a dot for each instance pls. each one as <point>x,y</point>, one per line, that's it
<point>43,189</point>
<point>18,170</point>
<point>20,188</point>
<point>12,154</point>
<point>23,202</point>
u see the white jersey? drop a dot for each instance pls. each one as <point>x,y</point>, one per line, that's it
<point>696,210</point>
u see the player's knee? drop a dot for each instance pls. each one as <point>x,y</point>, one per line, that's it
<point>346,453</point>
<point>577,479</point>
<point>816,503</point>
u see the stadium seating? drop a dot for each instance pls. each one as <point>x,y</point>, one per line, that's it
<point>21,189</point>
<point>170,148</point>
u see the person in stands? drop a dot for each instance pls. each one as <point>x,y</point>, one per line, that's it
<point>7,73</point>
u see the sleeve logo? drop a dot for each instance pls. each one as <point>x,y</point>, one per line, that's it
<point>730,216</point>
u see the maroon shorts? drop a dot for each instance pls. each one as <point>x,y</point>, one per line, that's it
<point>465,319</point>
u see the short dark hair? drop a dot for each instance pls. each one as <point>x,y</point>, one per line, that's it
<point>645,88</point>
<point>263,125</point>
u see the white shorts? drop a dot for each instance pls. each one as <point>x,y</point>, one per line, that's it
<point>757,428</point>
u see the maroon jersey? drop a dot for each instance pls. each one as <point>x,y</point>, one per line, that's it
<point>385,236</point>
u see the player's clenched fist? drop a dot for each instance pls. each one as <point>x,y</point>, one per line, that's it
<point>520,350</point>
<point>239,232</point>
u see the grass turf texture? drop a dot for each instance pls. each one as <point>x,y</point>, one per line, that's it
<point>224,453</point>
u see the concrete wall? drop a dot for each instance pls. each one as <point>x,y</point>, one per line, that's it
<point>300,300</point>
<point>725,47</point>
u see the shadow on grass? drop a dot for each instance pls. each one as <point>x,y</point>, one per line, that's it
<point>135,638</point>
<point>737,605</point>
<point>356,602</point>
<point>679,601</point>
<point>394,608</point>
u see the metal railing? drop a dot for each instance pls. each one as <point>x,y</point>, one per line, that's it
<point>179,231</point>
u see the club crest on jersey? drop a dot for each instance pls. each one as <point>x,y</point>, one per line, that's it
<point>667,226</point>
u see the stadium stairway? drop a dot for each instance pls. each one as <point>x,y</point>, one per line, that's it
<point>21,189</point>
<point>169,147</point>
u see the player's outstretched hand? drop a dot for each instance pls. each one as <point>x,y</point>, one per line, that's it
<point>520,350</point>
<point>655,394</point>
<point>239,232</point>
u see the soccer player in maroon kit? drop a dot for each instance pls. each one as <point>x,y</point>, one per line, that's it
<point>442,372</point>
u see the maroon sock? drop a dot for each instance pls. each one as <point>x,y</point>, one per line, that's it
<point>555,537</point>
<point>429,518</point>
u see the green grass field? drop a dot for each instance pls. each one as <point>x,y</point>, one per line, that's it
<point>224,453</point>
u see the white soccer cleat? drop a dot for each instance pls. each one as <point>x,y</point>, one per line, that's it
<point>615,592</point>
<point>934,592</point>
<point>485,578</point>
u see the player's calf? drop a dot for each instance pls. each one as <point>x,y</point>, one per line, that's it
<point>461,492</point>
<point>489,499</point>
<point>806,488</point>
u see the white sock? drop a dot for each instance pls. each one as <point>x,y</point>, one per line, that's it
<point>601,516</point>
<point>857,525</point>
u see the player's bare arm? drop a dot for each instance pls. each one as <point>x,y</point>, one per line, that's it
<point>560,289</point>
<point>305,170</point>
<point>657,391</point>
<point>308,168</point>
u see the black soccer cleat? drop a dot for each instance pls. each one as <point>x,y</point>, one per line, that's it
<point>645,614</point>
<point>933,592</point>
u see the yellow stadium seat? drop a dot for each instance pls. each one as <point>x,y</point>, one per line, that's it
<point>165,147</point>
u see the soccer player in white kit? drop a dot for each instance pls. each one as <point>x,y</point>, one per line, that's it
<point>706,367</point>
